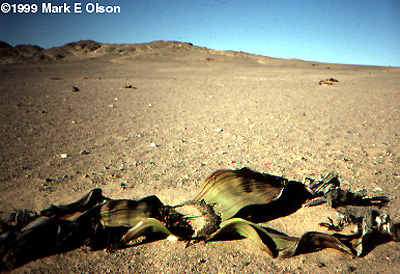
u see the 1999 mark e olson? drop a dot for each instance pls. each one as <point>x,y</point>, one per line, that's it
<point>79,8</point>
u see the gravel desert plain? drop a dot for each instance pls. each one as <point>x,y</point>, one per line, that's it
<point>158,118</point>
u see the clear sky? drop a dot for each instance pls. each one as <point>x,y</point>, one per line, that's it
<point>341,31</point>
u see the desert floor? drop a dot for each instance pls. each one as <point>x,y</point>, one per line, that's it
<point>192,113</point>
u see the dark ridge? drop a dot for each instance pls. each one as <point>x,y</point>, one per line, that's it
<point>4,45</point>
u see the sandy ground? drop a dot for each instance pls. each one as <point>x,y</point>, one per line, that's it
<point>194,112</point>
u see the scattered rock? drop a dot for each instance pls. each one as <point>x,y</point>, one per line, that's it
<point>75,89</point>
<point>329,81</point>
<point>351,268</point>
<point>130,86</point>
<point>85,152</point>
<point>322,82</point>
<point>64,155</point>
<point>332,80</point>
<point>378,188</point>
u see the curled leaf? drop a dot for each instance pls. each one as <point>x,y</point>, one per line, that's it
<point>145,227</point>
<point>232,190</point>
<point>265,240</point>
<point>314,241</point>
<point>129,212</point>
<point>88,201</point>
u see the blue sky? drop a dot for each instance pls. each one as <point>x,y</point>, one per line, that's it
<point>348,31</point>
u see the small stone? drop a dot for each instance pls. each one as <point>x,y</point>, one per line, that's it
<point>111,105</point>
<point>351,268</point>
<point>85,152</point>
<point>129,86</point>
<point>75,89</point>
<point>64,155</point>
<point>172,238</point>
<point>378,188</point>
<point>219,130</point>
<point>153,144</point>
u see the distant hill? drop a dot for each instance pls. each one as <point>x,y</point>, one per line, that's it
<point>92,49</point>
<point>156,51</point>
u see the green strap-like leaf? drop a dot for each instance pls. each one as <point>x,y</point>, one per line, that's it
<point>126,212</point>
<point>145,227</point>
<point>273,243</point>
<point>232,190</point>
<point>314,241</point>
<point>265,240</point>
